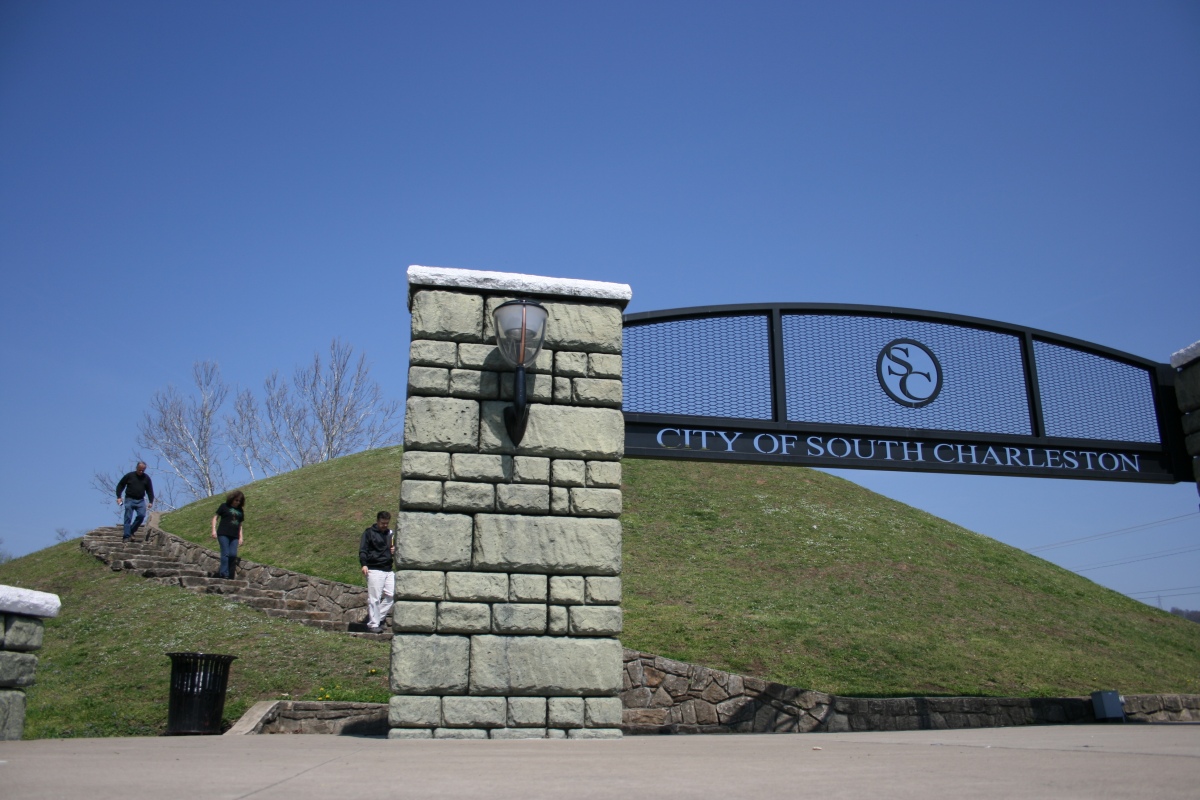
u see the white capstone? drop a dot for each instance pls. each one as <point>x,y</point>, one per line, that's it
<point>509,282</point>
<point>1181,358</point>
<point>27,602</point>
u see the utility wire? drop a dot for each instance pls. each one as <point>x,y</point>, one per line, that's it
<point>1147,557</point>
<point>1159,591</point>
<point>1119,532</point>
<point>1177,594</point>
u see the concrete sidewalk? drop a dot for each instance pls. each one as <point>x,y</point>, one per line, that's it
<point>1085,761</point>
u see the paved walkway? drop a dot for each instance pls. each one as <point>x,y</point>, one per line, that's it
<point>1085,761</point>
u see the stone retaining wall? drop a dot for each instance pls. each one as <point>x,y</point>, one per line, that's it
<point>508,557</point>
<point>21,634</point>
<point>660,695</point>
<point>345,602</point>
<point>323,717</point>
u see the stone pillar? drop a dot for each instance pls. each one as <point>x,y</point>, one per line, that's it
<point>1187,390</point>
<point>21,632</point>
<point>508,558</point>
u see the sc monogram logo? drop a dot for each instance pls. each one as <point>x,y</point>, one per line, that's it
<point>909,372</point>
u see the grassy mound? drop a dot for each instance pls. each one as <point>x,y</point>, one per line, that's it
<point>309,520</point>
<point>103,669</point>
<point>791,575</point>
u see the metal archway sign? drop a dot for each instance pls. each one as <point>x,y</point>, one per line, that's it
<point>873,387</point>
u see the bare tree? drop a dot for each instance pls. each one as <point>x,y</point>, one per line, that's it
<point>244,432</point>
<point>185,434</point>
<point>347,408</point>
<point>329,410</point>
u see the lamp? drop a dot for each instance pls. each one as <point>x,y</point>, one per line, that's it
<point>520,329</point>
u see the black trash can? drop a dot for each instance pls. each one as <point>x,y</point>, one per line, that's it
<point>198,684</point>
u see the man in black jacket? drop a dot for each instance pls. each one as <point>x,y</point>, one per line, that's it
<point>138,489</point>
<point>375,555</point>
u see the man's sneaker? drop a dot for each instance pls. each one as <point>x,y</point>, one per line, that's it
<point>374,628</point>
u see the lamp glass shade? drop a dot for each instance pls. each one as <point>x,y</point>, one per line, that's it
<point>520,329</point>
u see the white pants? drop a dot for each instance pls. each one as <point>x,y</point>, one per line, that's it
<point>381,588</point>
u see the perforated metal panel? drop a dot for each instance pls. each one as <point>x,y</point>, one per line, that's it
<point>1089,396</point>
<point>830,365</point>
<point>710,367</point>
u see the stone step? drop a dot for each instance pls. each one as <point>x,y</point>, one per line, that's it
<point>171,572</point>
<point>300,616</point>
<point>215,585</point>
<point>152,562</point>
<point>147,555</point>
<point>261,603</point>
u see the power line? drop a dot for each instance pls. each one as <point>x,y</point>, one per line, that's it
<point>1119,532</point>
<point>1157,591</point>
<point>1180,594</point>
<point>1148,557</point>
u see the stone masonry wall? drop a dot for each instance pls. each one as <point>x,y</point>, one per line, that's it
<point>665,696</point>
<point>1187,391</point>
<point>342,602</point>
<point>21,634</point>
<point>508,558</point>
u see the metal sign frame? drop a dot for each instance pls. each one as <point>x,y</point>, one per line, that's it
<point>779,440</point>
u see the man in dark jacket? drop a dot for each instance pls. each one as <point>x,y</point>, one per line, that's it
<point>138,489</point>
<point>375,555</point>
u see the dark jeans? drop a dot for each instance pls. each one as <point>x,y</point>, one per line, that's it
<point>132,524</point>
<point>229,546</point>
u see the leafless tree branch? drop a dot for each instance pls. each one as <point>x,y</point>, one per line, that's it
<point>184,433</point>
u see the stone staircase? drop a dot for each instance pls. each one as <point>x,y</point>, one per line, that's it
<point>169,560</point>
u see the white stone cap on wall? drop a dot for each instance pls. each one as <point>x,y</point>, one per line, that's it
<point>515,283</point>
<point>28,603</point>
<point>1181,358</point>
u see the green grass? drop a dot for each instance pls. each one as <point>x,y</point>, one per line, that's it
<point>780,572</point>
<point>803,578</point>
<point>309,520</point>
<point>103,670</point>
<point>795,576</point>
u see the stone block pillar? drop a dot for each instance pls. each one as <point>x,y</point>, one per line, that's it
<point>508,558</point>
<point>1187,390</point>
<point>21,632</point>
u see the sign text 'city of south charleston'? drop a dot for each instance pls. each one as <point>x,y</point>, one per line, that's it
<point>926,452</point>
<point>871,388</point>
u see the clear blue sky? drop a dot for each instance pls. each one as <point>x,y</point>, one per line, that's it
<point>244,181</point>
